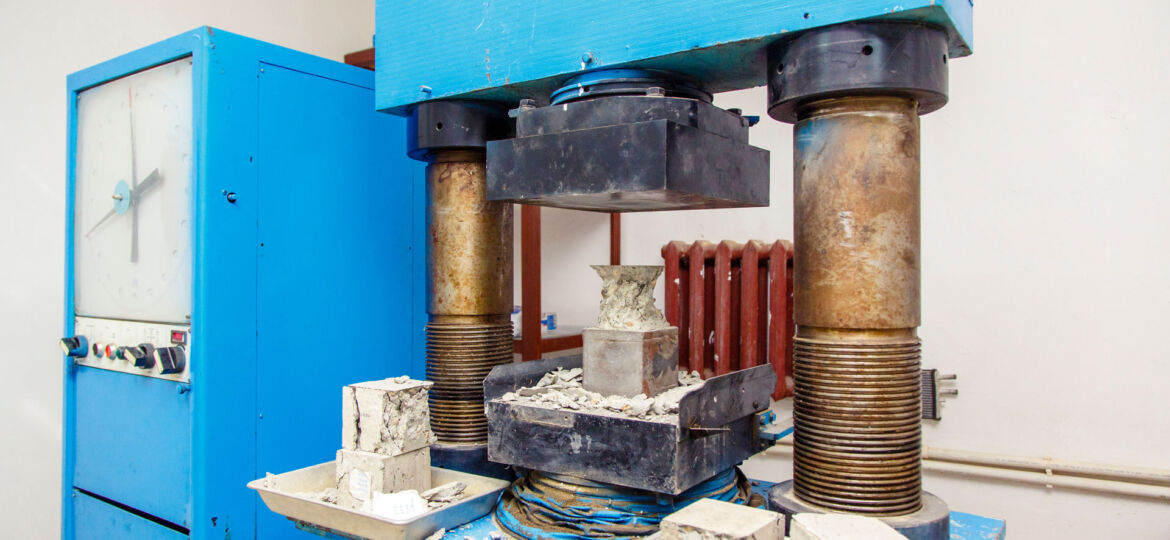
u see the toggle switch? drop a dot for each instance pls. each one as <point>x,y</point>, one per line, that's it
<point>75,346</point>
<point>141,356</point>
<point>169,360</point>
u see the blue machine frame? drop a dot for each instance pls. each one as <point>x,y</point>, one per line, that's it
<point>511,49</point>
<point>308,281</point>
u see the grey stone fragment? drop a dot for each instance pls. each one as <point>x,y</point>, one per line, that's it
<point>381,473</point>
<point>709,519</point>
<point>630,362</point>
<point>389,416</point>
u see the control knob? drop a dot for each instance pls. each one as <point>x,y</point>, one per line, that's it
<point>75,346</point>
<point>141,356</point>
<point>169,360</point>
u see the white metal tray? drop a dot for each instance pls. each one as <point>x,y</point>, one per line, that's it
<point>288,494</point>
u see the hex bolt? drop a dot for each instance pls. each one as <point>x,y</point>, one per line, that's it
<point>527,104</point>
<point>656,91</point>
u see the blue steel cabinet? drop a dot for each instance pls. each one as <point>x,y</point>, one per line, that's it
<point>229,293</point>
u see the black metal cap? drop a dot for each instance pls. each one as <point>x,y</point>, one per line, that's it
<point>854,59</point>
<point>451,125</point>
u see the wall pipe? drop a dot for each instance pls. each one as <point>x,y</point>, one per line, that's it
<point>1050,473</point>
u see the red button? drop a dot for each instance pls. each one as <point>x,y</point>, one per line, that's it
<point>178,337</point>
<point>109,351</point>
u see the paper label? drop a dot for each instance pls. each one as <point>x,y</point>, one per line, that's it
<point>359,484</point>
<point>401,505</point>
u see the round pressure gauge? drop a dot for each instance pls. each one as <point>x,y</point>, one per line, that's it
<point>132,217</point>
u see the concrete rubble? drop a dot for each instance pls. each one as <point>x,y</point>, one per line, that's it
<point>627,298</point>
<point>389,416</point>
<point>632,350</point>
<point>563,388</point>
<point>386,438</point>
<point>362,474</point>
<point>810,526</point>
<point>710,519</point>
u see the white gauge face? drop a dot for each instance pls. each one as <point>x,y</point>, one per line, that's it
<point>132,222</point>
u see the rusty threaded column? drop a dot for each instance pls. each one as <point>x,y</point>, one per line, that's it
<point>857,405</point>
<point>469,292</point>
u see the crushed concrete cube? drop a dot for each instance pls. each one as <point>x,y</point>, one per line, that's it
<point>709,519</point>
<point>630,362</point>
<point>809,526</point>
<point>389,416</point>
<point>361,474</point>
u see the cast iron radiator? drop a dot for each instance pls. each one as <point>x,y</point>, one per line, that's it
<point>732,304</point>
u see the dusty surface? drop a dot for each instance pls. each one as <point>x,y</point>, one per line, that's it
<point>627,298</point>
<point>390,416</point>
<point>709,519</point>
<point>562,389</point>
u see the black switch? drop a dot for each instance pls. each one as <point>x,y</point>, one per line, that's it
<point>170,360</point>
<point>75,346</point>
<point>141,356</point>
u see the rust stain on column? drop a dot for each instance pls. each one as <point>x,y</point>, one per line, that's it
<point>469,292</point>
<point>857,290</point>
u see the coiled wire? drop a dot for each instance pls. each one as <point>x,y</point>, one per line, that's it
<point>546,505</point>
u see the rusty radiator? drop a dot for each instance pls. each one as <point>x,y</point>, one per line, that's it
<point>732,304</point>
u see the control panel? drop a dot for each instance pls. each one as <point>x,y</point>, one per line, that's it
<point>140,348</point>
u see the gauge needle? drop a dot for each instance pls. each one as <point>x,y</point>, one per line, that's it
<point>143,188</point>
<point>133,180</point>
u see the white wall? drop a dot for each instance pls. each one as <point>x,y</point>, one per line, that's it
<point>43,41</point>
<point>1046,254</point>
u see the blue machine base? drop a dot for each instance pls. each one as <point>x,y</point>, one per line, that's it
<point>963,526</point>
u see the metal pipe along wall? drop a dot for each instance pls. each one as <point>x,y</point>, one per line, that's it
<point>469,292</point>
<point>857,354</point>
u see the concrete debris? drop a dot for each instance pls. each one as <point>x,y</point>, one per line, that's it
<point>390,416</point>
<point>437,535</point>
<point>445,494</point>
<point>808,526</point>
<point>710,519</point>
<point>361,475</point>
<point>563,389</point>
<point>627,298</point>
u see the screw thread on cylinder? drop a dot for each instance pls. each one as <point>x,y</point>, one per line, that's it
<point>459,356</point>
<point>857,420</point>
<point>857,399</point>
<point>469,293</point>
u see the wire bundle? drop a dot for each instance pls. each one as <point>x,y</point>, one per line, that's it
<point>546,505</point>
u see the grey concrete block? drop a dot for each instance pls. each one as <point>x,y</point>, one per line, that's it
<point>810,526</point>
<point>389,416</point>
<point>361,474</point>
<point>709,519</point>
<point>630,362</point>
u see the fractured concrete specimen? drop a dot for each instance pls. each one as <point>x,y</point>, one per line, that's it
<point>389,416</point>
<point>627,298</point>
<point>810,526</point>
<point>709,519</point>
<point>361,474</point>
<point>629,362</point>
